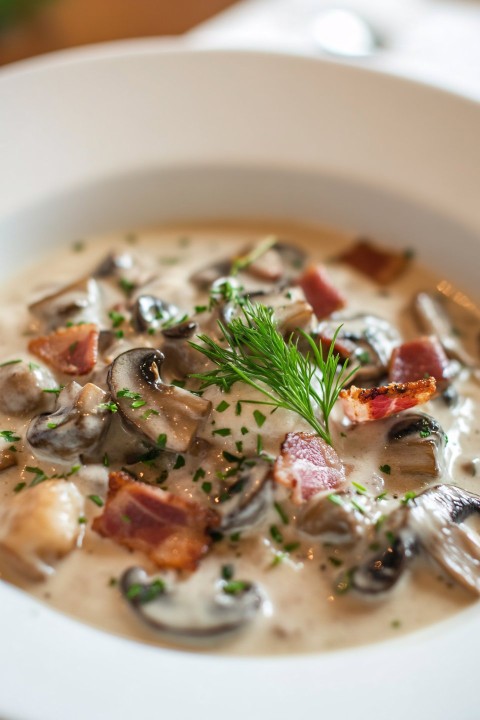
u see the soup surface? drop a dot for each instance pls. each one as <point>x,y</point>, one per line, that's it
<point>249,532</point>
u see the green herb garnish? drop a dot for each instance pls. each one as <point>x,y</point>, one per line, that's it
<point>96,499</point>
<point>10,362</point>
<point>9,436</point>
<point>385,469</point>
<point>259,356</point>
<point>221,407</point>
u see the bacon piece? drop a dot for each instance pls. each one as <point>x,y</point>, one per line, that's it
<point>71,350</point>
<point>417,359</point>
<point>308,466</point>
<point>320,292</point>
<point>381,265</point>
<point>172,531</point>
<point>361,405</point>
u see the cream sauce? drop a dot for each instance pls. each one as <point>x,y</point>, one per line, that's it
<point>302,614</point>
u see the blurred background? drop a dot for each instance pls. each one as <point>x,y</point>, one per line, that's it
<point>33,27</point>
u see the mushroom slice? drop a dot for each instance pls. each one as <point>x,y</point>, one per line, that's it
<point>339,522</point>
<point>114,264</point>
<point>152,407</point>
<point>207,275</point>
<point>248,499</point>
<point>187,615</point>
<point>150,313</point>
<point>433,318</point>
<point>78,425</point>
<point>24,388</point>
<point>39,526</point>
<point>436,517</point>
<point>415,445</point>
<point>430,523</point>
<point>78,302</point>
<point>365,339</point>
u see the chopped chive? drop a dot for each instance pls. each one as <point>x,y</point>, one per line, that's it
<point>238,408</point>
<point>199,474</point>
<point>179,462</point>
<point>358,507</point>
<point>148,413</point>
<point>33,366</point>
<point>410,495</point>
<point>385,469</point>
<point>19,486</point>
<point>290,547</point>
<point>228,571</point>
<point>52,426</point>
<point>336,562</point>
<point>244,430</point>
<point>283,515</point>
<point>96,499</point>
<point>162,441</point>
<point>276,534</point>
<point>223,432</point>
<point>359,488</point>
<point>221,407</point>
<point>259,417</point>
<point>9,436</point>
<point>259,444</point>
<point>82,520</point>
<point>382,496</point>
<point>200,309</point>
<point>106,460</point>
<point>54,391</point>
<point>239,446</point>
<point>10,362</point>
<point>335,499</point>
<point>235,587</point>
<point>138,404</point>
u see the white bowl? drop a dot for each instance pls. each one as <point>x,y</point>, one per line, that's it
<point>133,134</point>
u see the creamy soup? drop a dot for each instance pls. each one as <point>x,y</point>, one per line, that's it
<point>181,510</point>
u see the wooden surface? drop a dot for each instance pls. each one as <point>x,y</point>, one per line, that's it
<point>67,23</point>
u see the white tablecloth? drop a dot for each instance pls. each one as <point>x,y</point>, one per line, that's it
<point>437,41</point>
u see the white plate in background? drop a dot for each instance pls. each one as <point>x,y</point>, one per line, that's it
<point>132,134</point>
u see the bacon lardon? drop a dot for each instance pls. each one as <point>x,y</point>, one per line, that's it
<point>172,531</point>
<point>417,359</point>
<point>71,350</point>
<point>320,292</point>
<point>379,264</point>
<point>362,405</point>
<point>308,466</point>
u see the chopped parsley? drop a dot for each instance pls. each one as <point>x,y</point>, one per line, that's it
<point>235,587</point>
<point>223,432</point>
<point>19,486</point>
<point>38,473</point>
<point>9,436</point>
<point>280,510</point>
<point>162,441</point>
<point>385,469</point>
<point>179,462</point>
<point>116,318</point>
<point>276,534</point>
<point>207,487</point>
<point>244,430</point>
<point>96,499</point>
<point>52,425</point>
<point>259,417</point>
<point>228,571</point>
<point>410,495</point>
<point>126,285</point>
<point>110,406</point>
<point>199,474</point>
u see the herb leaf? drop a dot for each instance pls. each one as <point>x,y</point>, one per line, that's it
<point>259,356</point>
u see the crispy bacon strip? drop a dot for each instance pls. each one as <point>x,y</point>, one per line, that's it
<point>319,291</point>
<point>361,405</point>
<point>71,350</point>
<point>419,359</point>
<point>308,466</point>
<point>381,265</point>
<point>172,531</point>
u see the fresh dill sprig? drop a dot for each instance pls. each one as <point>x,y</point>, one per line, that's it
<point>258,355</point>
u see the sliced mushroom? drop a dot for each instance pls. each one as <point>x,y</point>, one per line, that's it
<point>367,340</point>
<point>181,331</point>
<point>207,275</point>
<point>78,302</point>
<point>191,616</point>
<point>151,313</point>
<point>152,407</point>
<point>245,502</point>
<point>431,523</point>
<point>24,388</point>
<point>77,425</point>
<point>38,526</point>
<point>416,446</point>
<point>114,264</point>
<point>434,319</point>
<point>339,522</point>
